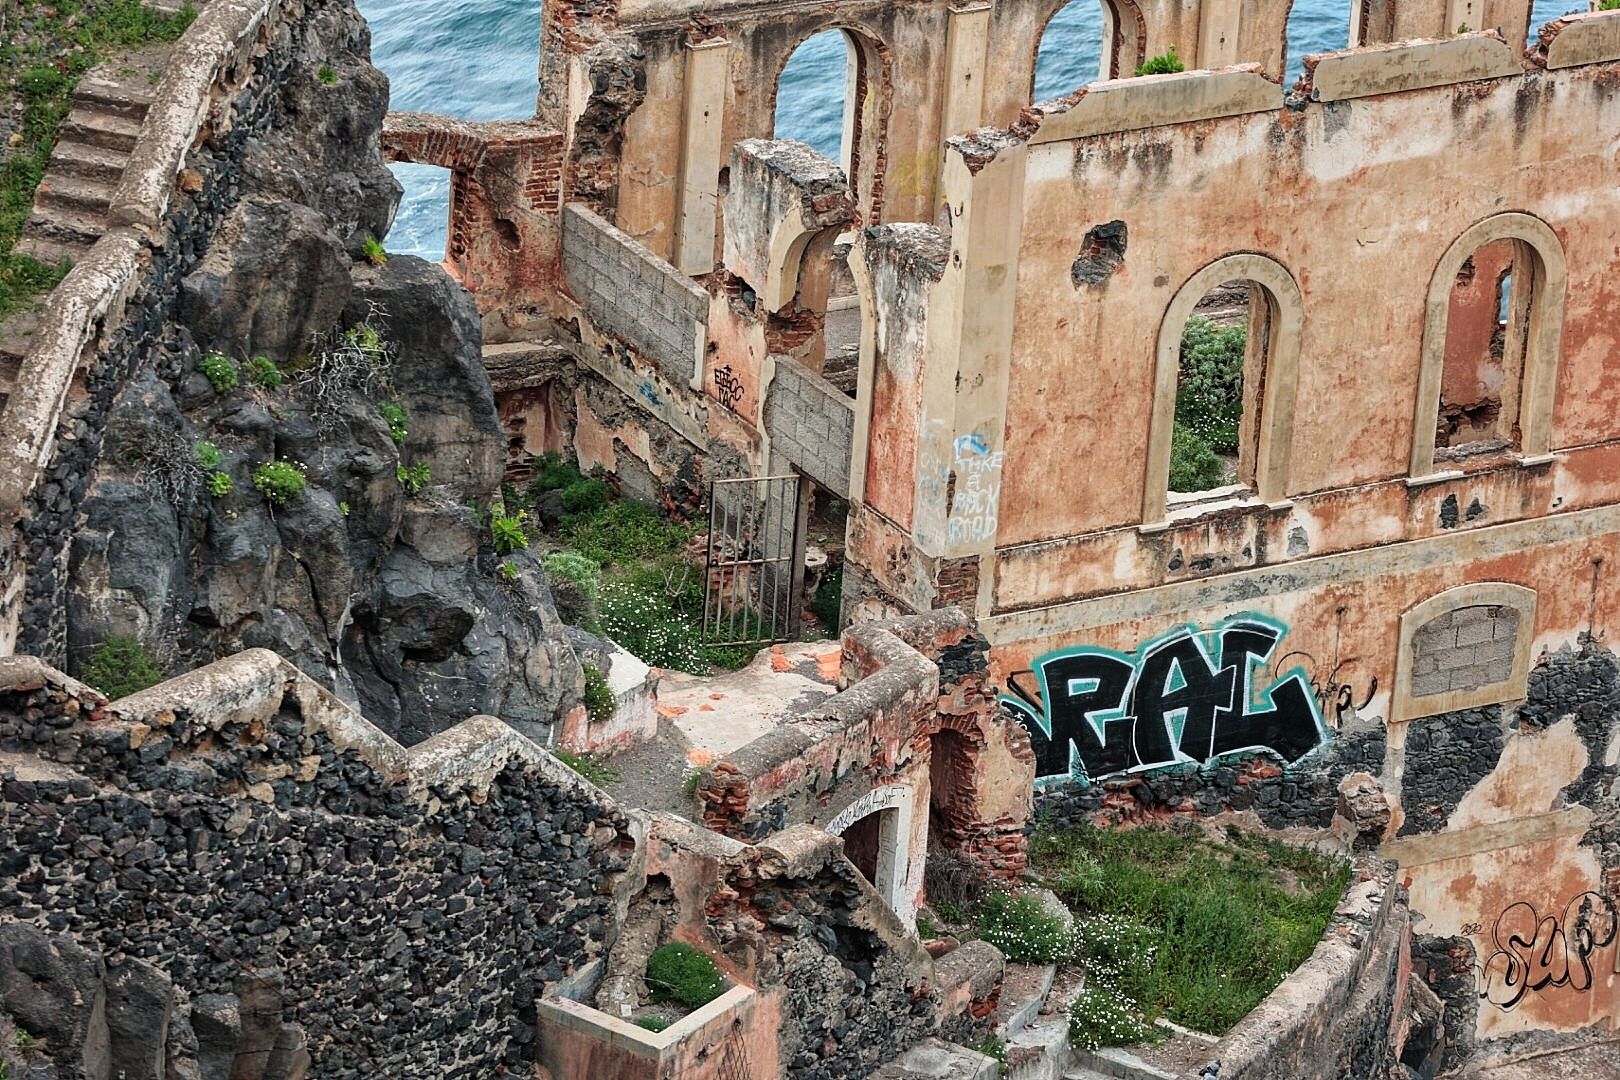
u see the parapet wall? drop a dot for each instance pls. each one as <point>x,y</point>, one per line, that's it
<point>220,89</point>
<point>411,904</point>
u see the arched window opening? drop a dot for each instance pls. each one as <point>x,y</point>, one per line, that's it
<point>1071,52</point>
<point>1543,12</point>
<point>1224,345</point>
<point>1313,29</point>
<point>1225,372</point>
<point>814,99</point>
<point>1486,325</point>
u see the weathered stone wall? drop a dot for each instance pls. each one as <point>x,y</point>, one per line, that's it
<point>811,425</point>
<point>631,293</point>
<point>410,905</point>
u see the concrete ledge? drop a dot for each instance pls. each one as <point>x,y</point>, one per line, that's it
<point>1154,100</point>
<point>1409,65</point>
<point>1592,38</point>
<point>182,104</point>
<point>638,1040</point>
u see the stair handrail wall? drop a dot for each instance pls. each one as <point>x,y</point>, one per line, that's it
<point>207,65</point>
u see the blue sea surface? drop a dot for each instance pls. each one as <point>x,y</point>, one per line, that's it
<point>480,60</point>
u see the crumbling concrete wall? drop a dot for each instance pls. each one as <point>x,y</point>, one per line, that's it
<point>240,819</point>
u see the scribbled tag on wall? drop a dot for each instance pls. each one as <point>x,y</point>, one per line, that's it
<point>1187,697</point>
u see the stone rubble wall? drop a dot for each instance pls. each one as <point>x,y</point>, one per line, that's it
<point>409,904</point>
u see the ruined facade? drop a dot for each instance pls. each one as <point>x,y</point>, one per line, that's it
<point>1391,618</point>
<point>1402,585</point>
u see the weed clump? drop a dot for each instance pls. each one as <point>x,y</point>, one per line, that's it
<point>677,972</point>
<point>120,667</point>
<point>279,481</point>
<point>1024,929</point>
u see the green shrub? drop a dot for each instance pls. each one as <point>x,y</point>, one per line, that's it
<point>1609,5</point>
<point>586,496</point>
<point>1021,927</point>
<point>414,477</point>
<point>599,699</point>
<point>220,484</point>
<point>120,667</point>
<point>588,767</point>
<point>208,455</point>
<point>1209,390</point>
<point>222,373</point>
<point>576,584</point>
<point>375,255</point>
<point>263,373</point>
<point>926,930</point>
<point>506,531</point>
<point>677,972</point>
<point>828,598</point>
<point>1103,1016</point>
<point>395,417</point>
<point>1166,64</point>
<point>279,481</point>
<point>623,531</point>
<point>327,75</point>
<point>552,473</point>
<point>1193,465</point>
<point>651,1023</point>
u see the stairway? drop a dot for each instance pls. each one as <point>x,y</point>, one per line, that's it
<point>70,207</point>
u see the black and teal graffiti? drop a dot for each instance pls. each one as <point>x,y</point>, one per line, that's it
<point>1187,697</point>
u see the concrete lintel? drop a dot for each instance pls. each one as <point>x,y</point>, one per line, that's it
<point>1155,100</point>
<point>1497,836</point>
<point>1590,38</point>
<point>1412,65</point>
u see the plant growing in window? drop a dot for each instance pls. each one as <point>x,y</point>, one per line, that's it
<point>1166,64</point>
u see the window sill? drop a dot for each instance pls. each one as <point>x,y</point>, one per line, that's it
<point>1512,461</point>
<point>1197,505</point>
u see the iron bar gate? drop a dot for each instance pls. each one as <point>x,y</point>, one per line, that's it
<point>754,571</point>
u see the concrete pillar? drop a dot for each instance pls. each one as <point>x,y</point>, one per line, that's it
<point>964,414</point>
<point>1218,33</point>
<point>1461,13</point>
<point>966,44</point>
<point>701,153</point>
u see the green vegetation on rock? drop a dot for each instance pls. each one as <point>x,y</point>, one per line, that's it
<point>599,699</point>
<point>1024,929</point>
<point>588,767</point>
<point>279,481</point>
<point>222,373</point>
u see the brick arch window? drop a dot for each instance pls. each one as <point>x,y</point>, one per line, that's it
<point>1464,648</point>
<point>859,99</point>
<point>1275,315</point>
<point>1501,282</point>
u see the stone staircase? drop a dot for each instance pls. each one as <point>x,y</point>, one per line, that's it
<point>70,207</point>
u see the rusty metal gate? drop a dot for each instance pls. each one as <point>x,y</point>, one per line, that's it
<point>751,590</point>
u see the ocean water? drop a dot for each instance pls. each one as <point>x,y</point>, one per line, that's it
<point>479,60</point>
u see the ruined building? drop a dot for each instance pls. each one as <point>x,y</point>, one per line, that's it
<point>1386,616</point>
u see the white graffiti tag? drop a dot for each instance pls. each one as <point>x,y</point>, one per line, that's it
<point>978,491</point>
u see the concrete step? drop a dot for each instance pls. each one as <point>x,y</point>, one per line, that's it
<point>128,99</point>
<point>1120,1064</point>
<point>50,250</point>
<point>102,129</point>
<point>88,162</point>
<point>74,194</point>
<point>65,225</point>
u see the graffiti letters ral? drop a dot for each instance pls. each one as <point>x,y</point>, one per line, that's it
<point>1187,697</point>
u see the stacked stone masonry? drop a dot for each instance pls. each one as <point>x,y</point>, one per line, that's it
<point>1466,649</point>
<point>811,425</point>
<point>631,293</point>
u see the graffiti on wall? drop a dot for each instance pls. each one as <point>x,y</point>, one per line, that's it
<point>1187,697</point>
<point>976,498</point>
<point>1538,952</point>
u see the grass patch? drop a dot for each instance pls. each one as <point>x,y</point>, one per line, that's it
<point>587,766</point>
<point>677,972</point>
<point>47,48</point>
<point>624,571</point>
<point>652,1023</point>
<point>1186,927</point>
